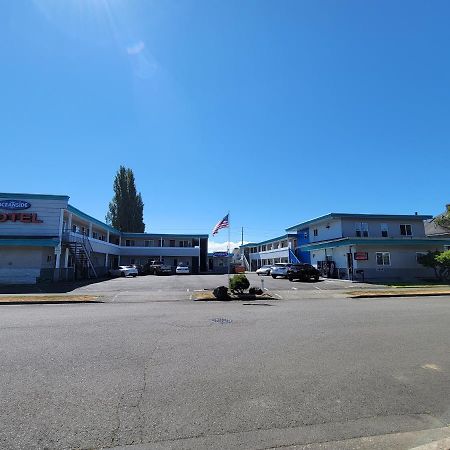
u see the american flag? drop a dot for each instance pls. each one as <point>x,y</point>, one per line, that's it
<point>221,224</point>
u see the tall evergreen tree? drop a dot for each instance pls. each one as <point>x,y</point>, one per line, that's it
<point>126,209</point>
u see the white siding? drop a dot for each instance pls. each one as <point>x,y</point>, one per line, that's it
<point>47,210</point>
<point>330,229</point>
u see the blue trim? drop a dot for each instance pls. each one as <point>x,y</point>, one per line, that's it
<point>85,216</point>
<point>364,241</point>
<point>29,242</point>
<point>153,235</point>
<point>268,241</point>
<point>359,216</point>
<point>37,196</point>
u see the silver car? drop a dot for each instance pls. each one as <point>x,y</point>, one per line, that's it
<point>264,270</point>
<point>124,271</point>
<point>280,270</point>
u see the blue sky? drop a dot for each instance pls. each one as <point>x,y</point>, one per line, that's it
<point>276,111</point>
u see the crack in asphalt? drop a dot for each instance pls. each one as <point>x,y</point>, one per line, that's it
<point>438,424</point>
<point>121,404</point>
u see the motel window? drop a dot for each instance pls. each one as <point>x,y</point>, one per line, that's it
<point>384,230</point>
<point>405,230</point>
<point>362,229</point>
<point>283,244</point>
<point>95,235</point>
<point>74,228</point>
<point>184,244</point>
<point>49,258</point>
<point>129,243</point>
<point>263,248</point>
<point>148,243</point>
<point>172,243</point>
<point>383,259</point>
<point>316,232</point>
<point>446,248</point>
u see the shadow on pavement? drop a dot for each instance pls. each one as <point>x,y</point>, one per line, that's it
<point>47,288</point>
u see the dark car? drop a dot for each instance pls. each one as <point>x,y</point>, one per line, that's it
<point>303,272</point>
<point>155,267</point>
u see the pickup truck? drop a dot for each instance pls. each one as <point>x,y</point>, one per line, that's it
<point>157,268</point>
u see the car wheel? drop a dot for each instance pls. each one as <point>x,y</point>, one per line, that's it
<point>134,275</point>
<point>122,274</point>
<point>316,278</point>
<point>290,278</point>
<point>274,276</point>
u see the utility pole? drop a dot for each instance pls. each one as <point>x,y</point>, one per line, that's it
<point>242,236</point>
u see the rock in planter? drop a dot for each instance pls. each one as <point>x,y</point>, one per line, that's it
<point>255,291</point>
<point>221,293</point>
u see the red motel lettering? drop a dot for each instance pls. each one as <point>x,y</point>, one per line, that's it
<point>20,217</point>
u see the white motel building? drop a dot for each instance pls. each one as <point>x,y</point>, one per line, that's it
<point>44,238</point>
<point>370,247</point>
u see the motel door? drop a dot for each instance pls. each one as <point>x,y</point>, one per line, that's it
<point>350,265</point>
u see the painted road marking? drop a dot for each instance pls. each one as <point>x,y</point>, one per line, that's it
<point>432,367</point>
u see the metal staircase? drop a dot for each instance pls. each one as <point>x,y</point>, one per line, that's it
<point>293,258</point>
<point>246,263</point>
<point>81,250</point>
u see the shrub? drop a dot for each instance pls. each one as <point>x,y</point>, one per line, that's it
<point>239,283</point>
<point>221,293</point>
<point>438,261</point>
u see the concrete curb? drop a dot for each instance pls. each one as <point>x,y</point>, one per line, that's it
<point>443,444</point>
<point>398,294</point>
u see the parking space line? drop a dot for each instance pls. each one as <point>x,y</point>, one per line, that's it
<point>318,288</point>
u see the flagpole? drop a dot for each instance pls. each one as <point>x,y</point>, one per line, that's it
<point>228,248</point>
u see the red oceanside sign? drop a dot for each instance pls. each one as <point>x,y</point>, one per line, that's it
<point>20,217</point>
<point>361,256</point>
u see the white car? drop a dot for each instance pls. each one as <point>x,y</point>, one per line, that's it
<point>264,270</point>
<point>280,270</point>
<point>182,269</point>
<point>124,271</point>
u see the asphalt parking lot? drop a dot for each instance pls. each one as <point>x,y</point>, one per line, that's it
<point>180,287</point>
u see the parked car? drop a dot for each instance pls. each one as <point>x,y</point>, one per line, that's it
<point>280,270</point>
<point>304,272</point>
<point>155,267</point>
<point>264,270</point>
<point>139,268</point>
<point>124,271</point>
<point>182,269</point>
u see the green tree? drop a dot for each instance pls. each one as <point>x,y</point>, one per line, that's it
<point>444,219</point>
<point>126,209</point>
<point>429,260</point>
<point>443,259</point>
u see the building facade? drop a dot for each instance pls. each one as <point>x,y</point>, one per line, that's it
<point>367,246</point>
<point>44,238</point>
<point>276,250</point>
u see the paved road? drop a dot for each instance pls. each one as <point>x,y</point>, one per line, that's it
<point>181,374</point>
